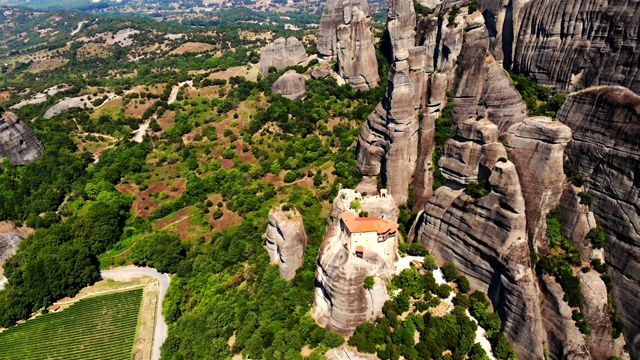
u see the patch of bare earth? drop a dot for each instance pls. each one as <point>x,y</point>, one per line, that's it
<point>167,120</point>
<point>228,219</point>
<point>47,64</point>
<point>192,47</point>
<point>136,109</point>
<point>90,50</point>
<point>251,74</point>
<point>180,216</point>
<point>144,203</point>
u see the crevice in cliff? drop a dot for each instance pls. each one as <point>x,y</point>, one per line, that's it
<point>508,36</point>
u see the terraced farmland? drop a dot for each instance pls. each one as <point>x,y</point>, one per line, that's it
<point>101,328</point>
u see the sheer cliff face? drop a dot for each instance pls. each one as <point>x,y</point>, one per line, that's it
<point>341,302</point>
<point>486,237</point>
<point>606,140</point>
<point>17,140</point>
<point>397,143</point>
<point>536,147</point>
<point>568,45</point>
<point>286,241</point>
<point>282,53</point>
<point>346,36</point>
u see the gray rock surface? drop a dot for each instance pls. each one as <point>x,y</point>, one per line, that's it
<point>564,340</point>
<point>290,85</point>
<point>282,53</point>
<point>346,35</point>
<point>486,237</point>
<point>536,147</point>
<point>286,240</point>
<point>17,140</point>
<point>340,301</point>
<point>605,122</point>
<point>568,44</point>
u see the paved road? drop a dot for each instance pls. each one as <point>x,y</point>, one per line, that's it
<point>160,332</point>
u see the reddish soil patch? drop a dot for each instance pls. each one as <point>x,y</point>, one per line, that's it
<point>228,218</point>
<point>180,216</point>
<point>236,71</point>
<point>192,47</point>
<point>167,120</point>
<point>135,109</point>
<point>144,204</point>
<point>226,163</point>
<point>203,92</point>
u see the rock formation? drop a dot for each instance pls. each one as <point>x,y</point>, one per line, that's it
<point>341,302</point>
<point>486,237</point>
<point>17,140</point>
<point>394,141</point>
<point>282,53</point>
<point>568,45</point>
<point>388,142</point>
<point>286,240</point>
<point>346,36</point>
<point>536,147</point>
<point>605,122</point>
<point>290,85</point>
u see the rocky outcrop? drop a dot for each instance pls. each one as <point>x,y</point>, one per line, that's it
<point>286,240</point>
<point>396,143</point>
<point>564,340</point>
<point>568,45</point>
<point>290,85</point>
<point>388,142</point>
<point>485,237</point>
<point>536,147</point>
<point>605,122</point>
<point>346,35</point>
<point>340,301</point>
<point>282,53</point>
<point>482,87</point>
<point>17,140</point>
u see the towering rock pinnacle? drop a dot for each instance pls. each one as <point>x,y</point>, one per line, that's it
<point>286,241</point>
<point>341,302</point>
<point>17,140</point>
<point>346,36</point>
<point>388,142</point>
<point>536,146</point>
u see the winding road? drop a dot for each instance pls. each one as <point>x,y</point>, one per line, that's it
<point>160,331</point>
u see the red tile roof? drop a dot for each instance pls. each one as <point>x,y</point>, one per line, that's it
<point>359,248</point>
<point>357,224</point>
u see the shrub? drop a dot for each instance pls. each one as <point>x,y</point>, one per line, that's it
<point>463,284</point>
<point>369,281</point>
<point>572,173</point>
<point>429,262</point>
<point>599,266</point>
<point>597,237</point>
<point>478,190</point>
<point>415,249</point>
<point>290,177</point>
<point>449,271</point>
<point>585,198</point>
<point>217,214</point>
<point>443,291</point>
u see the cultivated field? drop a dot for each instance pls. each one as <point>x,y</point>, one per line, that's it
<point>99,327</point>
